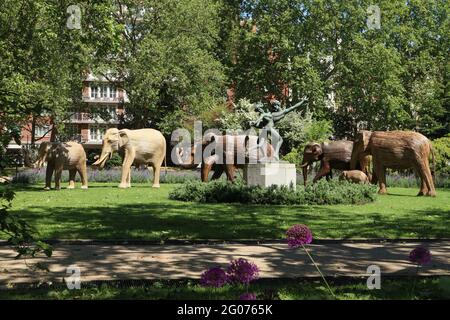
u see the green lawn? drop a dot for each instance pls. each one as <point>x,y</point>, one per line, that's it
<point>425,288</point>
<point>106,212</point>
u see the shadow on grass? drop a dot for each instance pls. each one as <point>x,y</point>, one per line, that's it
<point>184,220</point>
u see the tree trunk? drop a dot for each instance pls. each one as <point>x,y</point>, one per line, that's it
<point>54,131</point>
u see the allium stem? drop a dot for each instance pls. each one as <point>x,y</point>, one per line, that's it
<point>320,272</point>
<point>414,282</point>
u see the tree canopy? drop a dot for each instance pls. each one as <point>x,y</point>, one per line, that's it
<point>176,59</point>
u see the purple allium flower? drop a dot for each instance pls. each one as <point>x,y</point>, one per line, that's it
<point>242,271</point>
<point>247,296</point>
<point>420,255</point>
<point>214,277</point>
<point>298,234</point>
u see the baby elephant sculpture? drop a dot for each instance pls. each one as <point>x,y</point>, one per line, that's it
<point>355,176</point>
<point>62,156</point>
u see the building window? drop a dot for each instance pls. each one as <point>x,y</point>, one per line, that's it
<point>41,131</point>
<point>104,91</point>
<point>94,92</point>
<point>96,132</point>
<point>72,130</point>
<point>112,92</point>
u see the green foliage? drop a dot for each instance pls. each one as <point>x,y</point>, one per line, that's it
<point>441,148</point>
<point>297,130</point>
<point>164,60</point>
<point>42,63</point>
<point>323,192</point>
<point>379,79</point>
<point>293,156</point>
<point>114,161</point>
<point>18,232</point>
<point>243,112</point>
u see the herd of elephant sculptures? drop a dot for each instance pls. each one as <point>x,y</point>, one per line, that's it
<point>384,149</point>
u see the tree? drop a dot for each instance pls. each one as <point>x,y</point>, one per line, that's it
<point>386,78</point>
<point>42,63</point>
<point>164,59</point>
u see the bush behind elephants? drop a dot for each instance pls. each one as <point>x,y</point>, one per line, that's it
<point>113,175</point>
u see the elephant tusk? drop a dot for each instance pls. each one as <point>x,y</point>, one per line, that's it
<point>304,165</point>
<point>100,161</point>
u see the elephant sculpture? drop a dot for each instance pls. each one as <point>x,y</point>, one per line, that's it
<point>62,156</point>
<point>396,150</point>
<point>235,151</point>
<point>355,176</point>
<point>139,147</point>
<point>332,155</point>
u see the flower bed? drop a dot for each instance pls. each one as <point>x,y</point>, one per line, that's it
<point>320,193</point>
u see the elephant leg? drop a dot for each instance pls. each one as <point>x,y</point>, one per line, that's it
<point>72,173</point>
<point>82,170</point>
<point>218,171</point>
<point>156,173</point>
<point>206,168</point>
<point>381,174</point>
<point>58,172</point>
<point>374,178</point>
<point>48,177</point>
<point>329,175</point>
<point>129,178</point>
<point>425,172</point>
<point>230,170</point>
<point>324,170</point>
<point>126,167</point>
<point>423,186</point>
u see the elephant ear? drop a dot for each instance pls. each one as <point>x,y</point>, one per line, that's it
<point>316,149</point>
<point>123,138</point>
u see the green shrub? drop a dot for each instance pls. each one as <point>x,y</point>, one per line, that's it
<point>294,156</point>
<point>115,161</point>
<point>441,148</point>
<point>322,192</point>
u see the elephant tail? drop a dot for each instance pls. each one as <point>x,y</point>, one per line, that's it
<point>165,165</point>
<point>433,159</point>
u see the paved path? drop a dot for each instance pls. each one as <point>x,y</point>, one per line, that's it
<point>112,262</point>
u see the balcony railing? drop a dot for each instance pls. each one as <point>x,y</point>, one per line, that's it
<point>102,99</point>
<point>86,117</point>
<point>81,139</point>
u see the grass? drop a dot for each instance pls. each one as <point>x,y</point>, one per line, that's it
<point>268,289</point>
<point>107,212</point>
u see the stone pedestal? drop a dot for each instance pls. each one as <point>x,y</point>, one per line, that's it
<point>265,174</point>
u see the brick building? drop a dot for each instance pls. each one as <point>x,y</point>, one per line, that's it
<point>86,127</point>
